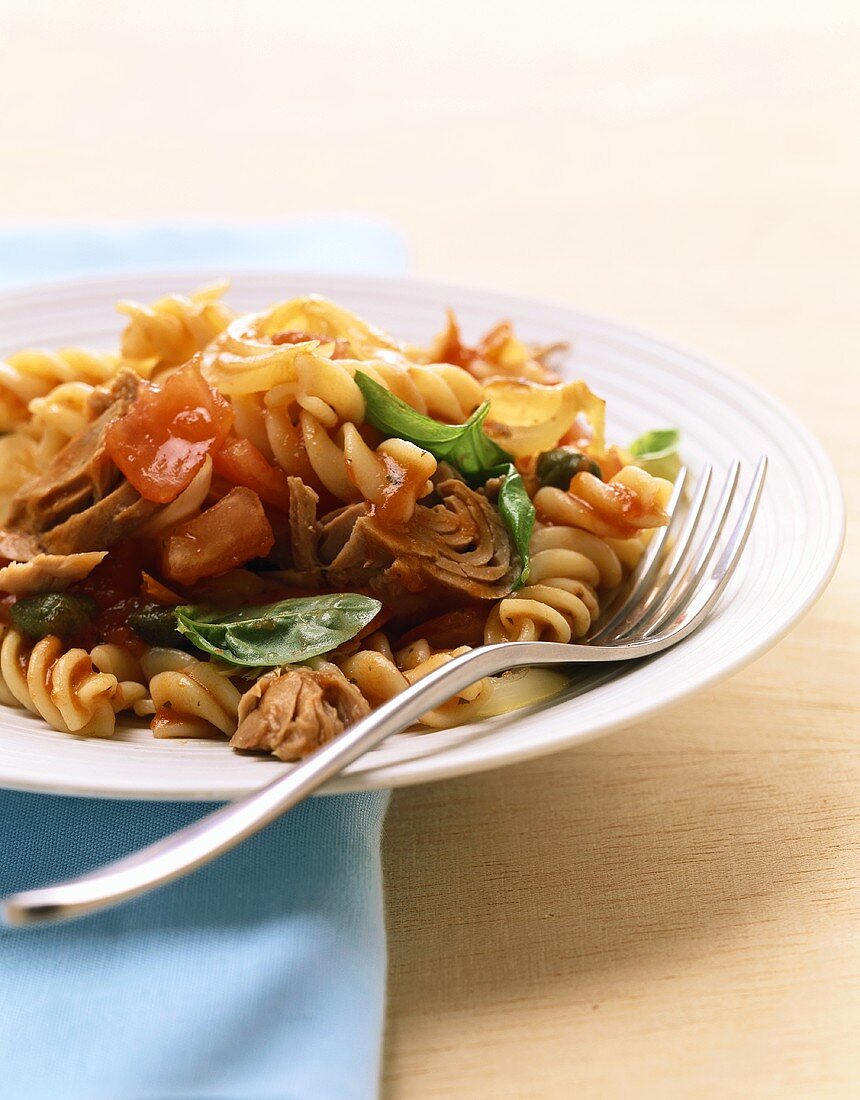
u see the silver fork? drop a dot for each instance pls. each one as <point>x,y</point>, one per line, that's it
<point>668,597</point>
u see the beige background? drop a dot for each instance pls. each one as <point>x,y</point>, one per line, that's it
<point>671,911</point>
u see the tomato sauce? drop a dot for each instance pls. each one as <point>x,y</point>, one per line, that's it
<point>115,585</point>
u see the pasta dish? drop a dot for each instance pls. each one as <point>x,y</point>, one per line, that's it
<point>258,527</point>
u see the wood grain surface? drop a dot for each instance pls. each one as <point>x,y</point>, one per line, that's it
<point>671,911</point>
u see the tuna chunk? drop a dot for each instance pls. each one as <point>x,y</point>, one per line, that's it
<point>459,547</point>
<point>456,550</point>
<point>82,502</point>
<point>291,714</point>
<point>48,572</point>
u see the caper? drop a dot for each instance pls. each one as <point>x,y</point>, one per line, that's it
<point>156,624</point>
<point>59,613</point>
<point>558,466</point>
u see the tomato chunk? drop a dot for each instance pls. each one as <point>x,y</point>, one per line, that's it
<point>152,589</point>
<point>240,463</point>
<point>228,534</point>
<point>163,439</point>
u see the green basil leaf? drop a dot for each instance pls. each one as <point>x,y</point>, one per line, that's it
<point>278,633</point>
<point>517,511</point>
<point>466,446</point>
<point>658,452</point>
<point>656,444</point>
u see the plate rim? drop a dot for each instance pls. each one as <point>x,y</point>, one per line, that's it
<point>433,768</point>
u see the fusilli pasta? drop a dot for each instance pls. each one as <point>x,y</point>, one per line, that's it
<point>379,674</point>
<point>560,601</point>
<point>58,416</point>
<point>621,508</point>
<point>19,462</point>
<point>246,360</point>
<point>353,471</point>
<point>440,390</point>
<point>34,373</point>
<point>68,688</point>
<point>187,697</point>
<point>171,330</point>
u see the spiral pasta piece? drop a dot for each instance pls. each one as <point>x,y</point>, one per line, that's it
<point>19,462</point>
<point>324,388</point>
<point>439,390</point>
<point>621,508</point>
<point>560,602</point>
<point>327,458</point>
<point>60,415</point>
<point>32,373</point>
<point>284,441</point>
<point>556,610</point>
<point>327,389</point>
<point>379,674</point>
<point>66,688</point>
<point>173,329</point>
<point>246,360</point>
<point>188,698</point>
<point>393,477</point>
<point>568,551</point>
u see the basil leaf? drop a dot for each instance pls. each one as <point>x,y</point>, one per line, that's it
<point>658,452</point>
<point>656,444</point>
<point>278,633</point>
<point>518,512</point>
<point>466,446</point>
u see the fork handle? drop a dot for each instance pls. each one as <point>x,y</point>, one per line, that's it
<point>218,832</point>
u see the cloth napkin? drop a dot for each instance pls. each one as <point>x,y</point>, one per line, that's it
<point>261,976</point>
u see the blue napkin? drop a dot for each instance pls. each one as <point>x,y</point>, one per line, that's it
<point>261,976</point>
<point>30,254</point>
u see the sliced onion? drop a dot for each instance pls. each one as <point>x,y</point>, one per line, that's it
<point>528,417</point>
<point>521,688</point>
<point>186,504</point>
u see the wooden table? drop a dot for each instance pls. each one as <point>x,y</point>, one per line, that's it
<point>673,910</point>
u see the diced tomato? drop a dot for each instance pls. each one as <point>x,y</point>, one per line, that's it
<point>240,463</point>
<point>164,438</point>
<point>228,534</point>
<point>152,589</point>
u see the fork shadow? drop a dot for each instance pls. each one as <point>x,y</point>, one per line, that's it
<point>574,869</point>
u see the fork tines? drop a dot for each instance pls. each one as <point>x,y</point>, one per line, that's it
<point>674,581</point>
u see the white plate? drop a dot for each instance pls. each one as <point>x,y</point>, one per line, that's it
<point>793,550</point>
